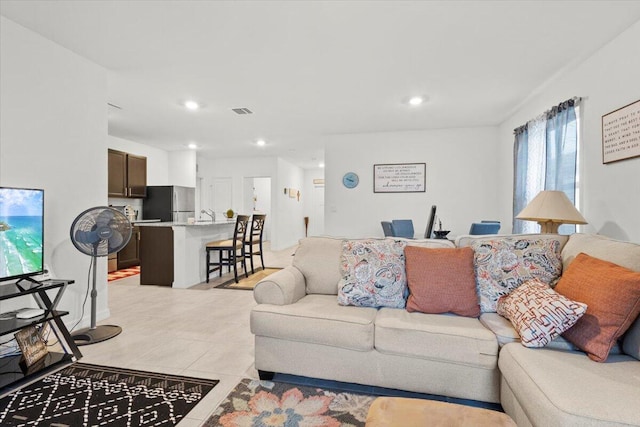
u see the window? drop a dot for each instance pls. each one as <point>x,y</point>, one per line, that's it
<point>546,158</point>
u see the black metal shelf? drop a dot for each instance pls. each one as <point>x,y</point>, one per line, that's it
<point>13,324</point>
<point>12,290</point>
<point>13,374</point>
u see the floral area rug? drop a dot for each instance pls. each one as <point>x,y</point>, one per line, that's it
<point>255,403</point>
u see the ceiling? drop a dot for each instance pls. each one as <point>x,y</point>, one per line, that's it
<point>308,69</point>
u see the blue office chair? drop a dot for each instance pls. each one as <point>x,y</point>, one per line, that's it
<point>403,228</point>
<point>479,228</point>
<point>387,228</point>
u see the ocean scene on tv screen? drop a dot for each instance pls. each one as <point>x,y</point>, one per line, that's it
<point>20,232</point>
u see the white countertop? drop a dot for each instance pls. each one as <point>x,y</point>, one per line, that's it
<point>184,224</point>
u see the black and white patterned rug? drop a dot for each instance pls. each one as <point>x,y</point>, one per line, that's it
<point>92,395</point>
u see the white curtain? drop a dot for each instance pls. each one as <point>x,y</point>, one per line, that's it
<point>545,158</point>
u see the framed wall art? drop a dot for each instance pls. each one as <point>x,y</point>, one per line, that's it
<point>621,133</point>
<point>399,178</point>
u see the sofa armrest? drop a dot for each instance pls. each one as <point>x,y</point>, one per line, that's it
<point>280,288</point>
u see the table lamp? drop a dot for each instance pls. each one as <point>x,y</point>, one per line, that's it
<point>551,209</point>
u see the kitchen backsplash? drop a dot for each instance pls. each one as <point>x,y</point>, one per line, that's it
<point>136,204</point>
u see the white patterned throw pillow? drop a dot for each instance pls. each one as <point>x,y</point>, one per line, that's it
<point>539,313</point>
<point>503,264</point>
<point>373,274</point>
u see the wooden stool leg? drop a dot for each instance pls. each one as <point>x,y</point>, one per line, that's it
<point>222,261</point>
<point>235,265</point>
<point>261,252</point>
<point>207,264</point>
<point>251,258</point>
<point>244,265</point>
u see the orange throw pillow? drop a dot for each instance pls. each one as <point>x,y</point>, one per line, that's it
<point>441,281</point>
<point>612,295</point>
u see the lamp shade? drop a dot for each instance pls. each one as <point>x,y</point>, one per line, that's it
<point>551,208</point>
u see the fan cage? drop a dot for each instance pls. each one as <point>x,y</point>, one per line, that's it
<point>88,221</point>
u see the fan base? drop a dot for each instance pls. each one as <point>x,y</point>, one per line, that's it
<point>98,334</point>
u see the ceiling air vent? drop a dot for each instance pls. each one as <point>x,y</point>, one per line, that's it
<point>242,111</point>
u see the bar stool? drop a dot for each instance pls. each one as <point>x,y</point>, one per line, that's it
<point>228,250</point>
<point>254,237</point>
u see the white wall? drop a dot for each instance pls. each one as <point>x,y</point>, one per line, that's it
<point>285,223</point>
<point>182,168</point>
<point>236,170</point>
<point>289,215</point>
<point>608,80</point>
<point>461,180</point>
<point>157,159</point>
<point>53,135</point>
<point>314,201</point>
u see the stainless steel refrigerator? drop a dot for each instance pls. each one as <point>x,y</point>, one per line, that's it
<point>169,203</point>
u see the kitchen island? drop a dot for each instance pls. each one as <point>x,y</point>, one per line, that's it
<point>173,254</point>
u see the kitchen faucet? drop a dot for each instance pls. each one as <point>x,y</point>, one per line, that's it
<point>209,212</point>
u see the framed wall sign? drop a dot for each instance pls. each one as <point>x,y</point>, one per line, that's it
<point>399,178</point>
<point>621,133</point>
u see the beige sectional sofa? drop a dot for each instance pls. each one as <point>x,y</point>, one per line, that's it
<point>300,329</point>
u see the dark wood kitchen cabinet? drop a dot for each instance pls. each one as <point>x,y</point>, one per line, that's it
<point>156,256</point>
<point>127,175</point>
<point>129,256</point>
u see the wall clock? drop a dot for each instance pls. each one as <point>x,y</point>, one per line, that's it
<point>350,180</point>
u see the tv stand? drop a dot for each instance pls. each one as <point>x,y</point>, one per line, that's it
<point>13,376</point>
<point>29,279</point>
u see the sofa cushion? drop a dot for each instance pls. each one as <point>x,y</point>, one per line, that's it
<point>625,254</point>
<point>318,258</point>
<point>316,319</point>
<point>622,253</point>
<point>425,243</point>
<point>442,337</point>
<point>470,240</point>
<point>612,294</point>
<point>441,281</point>
<point>501,327</point>
<point>373,274</point>
<point>506,333</point>
<point>631,342</point>
<point>539,313</point>
<point>502,264</point>
<point>562,388</point>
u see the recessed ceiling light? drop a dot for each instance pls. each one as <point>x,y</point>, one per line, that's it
<point>192,145</point>
<point>261,143</point>
<point>416,100</point>
<point>321,165</point>
<point>191,105</point>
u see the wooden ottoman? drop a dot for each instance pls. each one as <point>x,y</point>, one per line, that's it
<point>404,412</point>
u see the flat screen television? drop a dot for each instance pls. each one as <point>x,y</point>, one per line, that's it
<point>21,232</point>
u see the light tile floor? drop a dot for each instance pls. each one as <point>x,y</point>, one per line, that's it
<point>199,333</point>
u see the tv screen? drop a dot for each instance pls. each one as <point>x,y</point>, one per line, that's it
<point>21,232</point>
